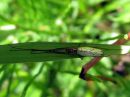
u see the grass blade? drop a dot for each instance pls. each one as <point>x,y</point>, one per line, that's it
<point>9,55</point>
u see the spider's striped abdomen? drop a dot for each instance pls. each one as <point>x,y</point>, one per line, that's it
<point>88,51</point>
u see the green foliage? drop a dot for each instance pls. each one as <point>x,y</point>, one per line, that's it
<point>90,21</point>
<point>42,51</point>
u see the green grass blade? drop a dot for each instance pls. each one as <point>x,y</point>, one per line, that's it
<point>9,55</point>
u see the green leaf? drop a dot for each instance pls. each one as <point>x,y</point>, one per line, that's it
<point>14,53</point>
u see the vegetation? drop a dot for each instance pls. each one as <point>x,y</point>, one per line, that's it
<point>80,21</point>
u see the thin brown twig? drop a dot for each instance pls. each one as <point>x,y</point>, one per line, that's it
<point>95,60</point>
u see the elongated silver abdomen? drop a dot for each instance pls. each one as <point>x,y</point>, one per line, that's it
<point>88,51</point>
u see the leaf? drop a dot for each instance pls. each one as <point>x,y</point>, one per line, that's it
<point>13,53</point>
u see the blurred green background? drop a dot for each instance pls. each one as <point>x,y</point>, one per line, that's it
<point>91,21</point>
